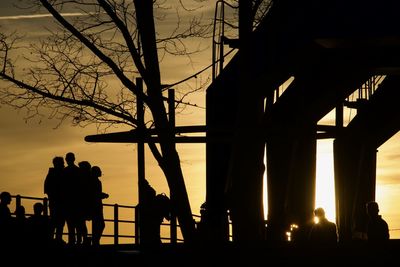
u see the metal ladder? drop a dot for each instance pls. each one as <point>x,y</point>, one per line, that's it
<point>219,38</point>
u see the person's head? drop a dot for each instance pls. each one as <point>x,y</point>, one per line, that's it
<point>319,213</point>
<point>58,162</point>
<point>5,197</point>
<point>96,171</point>
<point>38,208</point>
<point>372,208</point>
<point>70,158</point>
<point>85,165</point>
<point>203,208</point>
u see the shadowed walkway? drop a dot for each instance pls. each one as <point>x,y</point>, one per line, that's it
<point>355,254</point>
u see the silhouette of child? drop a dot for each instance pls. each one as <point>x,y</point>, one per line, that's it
<point>39,226</point>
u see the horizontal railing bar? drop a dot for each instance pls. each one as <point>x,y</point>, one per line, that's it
<point>19,198</point>
<point>124,236</point>
<point>26,197</point>
<point>120,206</point>
<point>121,221</point>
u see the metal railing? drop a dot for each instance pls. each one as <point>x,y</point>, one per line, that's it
<point>219,35</point>
<point>112,218</point>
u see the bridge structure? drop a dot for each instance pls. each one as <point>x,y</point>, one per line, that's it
<point>328,50</point>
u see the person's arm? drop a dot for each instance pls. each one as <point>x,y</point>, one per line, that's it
<point>46,184</point>
<point>387,231</point>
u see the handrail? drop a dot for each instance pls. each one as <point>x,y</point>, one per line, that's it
<point>115,220</point>
<point>217,39</point>
<point>364,92</point>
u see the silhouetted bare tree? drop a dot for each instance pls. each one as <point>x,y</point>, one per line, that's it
<point>74,72</point>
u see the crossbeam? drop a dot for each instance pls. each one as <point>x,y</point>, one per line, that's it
<point>133,136</point>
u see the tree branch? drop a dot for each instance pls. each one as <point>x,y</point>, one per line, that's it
<point>127,37</point>
<point>127,82</point>
<point>85,103</point>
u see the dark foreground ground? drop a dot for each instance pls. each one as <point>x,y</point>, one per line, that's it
<point>355,254</point>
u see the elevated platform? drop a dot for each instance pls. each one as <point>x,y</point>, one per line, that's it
<point>355,254</point>
<point>331,48</point>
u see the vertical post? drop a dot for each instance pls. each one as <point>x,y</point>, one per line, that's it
<point>116,228</point>
<point>246,163</point>
<point>136,211</point>
<point>171,112</point>
<point>221,46</point>
<point>45,206</point>
<point>341,212</point>
<point>140,148</point>
<point>17,201</point>
<point>339,116</point>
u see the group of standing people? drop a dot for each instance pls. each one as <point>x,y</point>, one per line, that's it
<point>75,196</point>
<point>21,230</point>
<point>324,232</point>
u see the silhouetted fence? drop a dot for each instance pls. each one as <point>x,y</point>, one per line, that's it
<point>121,219</point>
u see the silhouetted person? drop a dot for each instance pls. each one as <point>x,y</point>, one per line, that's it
<point>20,225</point>
<point>300,235</point>
<point>201,226</point>
<point>20,213</point>
<point>72,191</point>
<point>323,232</point>
<point>83,209</point>
<point>162,210</point>
<point>97,196</point>
<point>377,228</point>
<point>53,187</point>
<point>5,200</point>
<point>148,216</point>
<point>5,218</point>
<point>39,226</point>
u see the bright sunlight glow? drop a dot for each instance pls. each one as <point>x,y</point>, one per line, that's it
<point>265,189</point>
<point>325,186</point>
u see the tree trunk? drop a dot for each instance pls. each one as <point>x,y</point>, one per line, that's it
<point>169,162</point>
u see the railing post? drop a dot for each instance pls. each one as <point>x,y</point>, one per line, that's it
<point>17,201</point>
<point>137,231</point>
<point>45,206</point>
<point>116,219</point>
<point>171,111</point>
<point>140,149</point>
<point>174,229</point>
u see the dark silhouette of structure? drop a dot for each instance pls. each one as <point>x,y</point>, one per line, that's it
<point>324,52</point>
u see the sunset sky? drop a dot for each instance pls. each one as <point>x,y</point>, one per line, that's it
<point>28,146</point>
